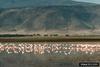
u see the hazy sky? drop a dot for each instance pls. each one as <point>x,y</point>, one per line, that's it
<point>91,1</point>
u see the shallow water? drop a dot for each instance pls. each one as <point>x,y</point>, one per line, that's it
<point>48,54</point>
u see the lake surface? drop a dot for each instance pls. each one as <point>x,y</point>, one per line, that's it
<point>48,54</point>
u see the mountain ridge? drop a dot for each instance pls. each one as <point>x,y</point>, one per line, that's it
<point>39,3</point>
<point>58,19</point>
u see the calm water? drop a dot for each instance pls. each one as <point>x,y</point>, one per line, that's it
<point>48,54</point>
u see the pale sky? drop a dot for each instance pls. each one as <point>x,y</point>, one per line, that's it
<point>90,1</point>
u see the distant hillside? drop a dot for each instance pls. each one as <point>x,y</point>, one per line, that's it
<point>77,20</point>
<point>37,3</point>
